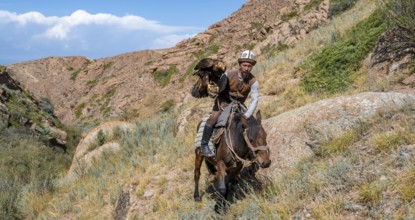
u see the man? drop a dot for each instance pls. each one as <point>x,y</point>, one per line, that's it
<point>233,85</point>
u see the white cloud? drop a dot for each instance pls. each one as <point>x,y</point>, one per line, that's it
<point>168,40</point>
<point>82,31</point>
<point>61,27</point>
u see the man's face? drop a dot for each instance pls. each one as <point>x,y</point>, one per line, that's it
<point>245,67</point>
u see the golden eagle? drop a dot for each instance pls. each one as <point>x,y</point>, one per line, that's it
<point>209,71</point>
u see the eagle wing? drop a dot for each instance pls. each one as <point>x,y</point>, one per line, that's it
<point>214,68</point>
<point>204,64</point>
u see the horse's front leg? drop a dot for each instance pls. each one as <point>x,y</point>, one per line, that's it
<point>198,163</point>
<point>221,173</point>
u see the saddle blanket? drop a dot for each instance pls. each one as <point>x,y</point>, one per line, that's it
<point>198,139</point>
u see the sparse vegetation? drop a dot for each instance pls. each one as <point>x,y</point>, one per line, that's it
<point>257,25</point>
<point>289,15</point>
<point>91,83</point>
<point>167,106</point>
<point>78,109</point>
<point>384,142</point>
<point>312,4</point>
<point>401,13</point>
<point>74,74</point>
<point>371,193</point>
<point>339,6</point>
<point>108,65</point>
<point>206,52</point>
<point>406,186</point>
<point>28,162</point>
<point>337,145</point>
<point>163,76</point>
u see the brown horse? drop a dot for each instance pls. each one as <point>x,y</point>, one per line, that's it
<point>243,140</point>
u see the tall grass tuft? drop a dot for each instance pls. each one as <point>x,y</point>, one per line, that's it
<point>337,145</point>
<point>406,186</point>
<point>384,142</point>
<point>371,193</point>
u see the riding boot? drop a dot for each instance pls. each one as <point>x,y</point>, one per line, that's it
<point>207,134</point>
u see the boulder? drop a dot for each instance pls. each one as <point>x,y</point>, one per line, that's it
<point>321,121</point>
<point>84,155</point>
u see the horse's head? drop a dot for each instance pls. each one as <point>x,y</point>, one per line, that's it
<point>208,71</point>
<point>256,138</point>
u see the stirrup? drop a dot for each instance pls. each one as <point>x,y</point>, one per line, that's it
<point>206,152</point>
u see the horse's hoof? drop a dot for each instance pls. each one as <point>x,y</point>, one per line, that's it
<point>198,199</point>
<point>222,191</point>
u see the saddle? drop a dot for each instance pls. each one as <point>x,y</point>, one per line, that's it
<point>216,136</point>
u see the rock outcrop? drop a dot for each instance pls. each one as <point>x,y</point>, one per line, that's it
<point>390,60</point>
<point>92,146</point>
<point>290,134</point>
<point>19,110</point>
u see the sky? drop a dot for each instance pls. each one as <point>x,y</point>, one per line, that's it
<point>34,29</point>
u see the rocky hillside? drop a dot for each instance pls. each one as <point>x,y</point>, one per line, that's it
<point>82,89</point>
<point>21,112</point>
<point>34,147</point>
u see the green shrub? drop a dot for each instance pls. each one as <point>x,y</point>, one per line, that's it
<point>110,93</point>
<point>91,82</point>
<point>75,73</point>
<point>331,70</point>
<point>339,6</point>
<point>108,65</point>
<point>78,109</point>
<point>26,165</point>
<point>163,76</point>
<point>46,106</point>
<point>312,4</point>
<point>257,25</point>
<point>101,138</point>
<point>167,106</point>
<point>212,49</point>
<point>401,13</point>
<point>289,15</point>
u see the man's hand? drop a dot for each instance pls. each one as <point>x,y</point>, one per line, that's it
<point>213,90</point>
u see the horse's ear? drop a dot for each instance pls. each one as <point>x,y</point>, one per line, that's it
<point>244,122</point>
<point>258,116</point>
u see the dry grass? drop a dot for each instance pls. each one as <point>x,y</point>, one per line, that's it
<point>337,145</point>
<point>371,193</point>
<point>406,186</point>
<point>384,142</point>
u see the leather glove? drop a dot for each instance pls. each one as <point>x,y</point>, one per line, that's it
<point>213,90</point>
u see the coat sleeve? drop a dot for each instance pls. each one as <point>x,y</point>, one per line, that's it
<point>222,82</point>
<point>254,100</point>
